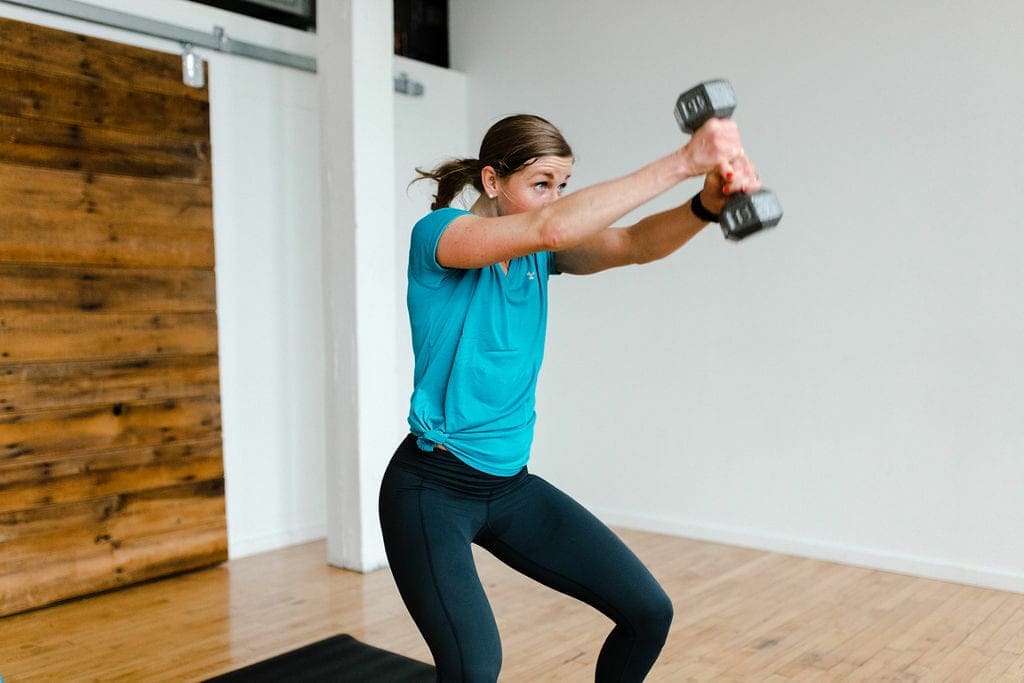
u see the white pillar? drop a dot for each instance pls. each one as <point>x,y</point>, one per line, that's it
<point>354,65</point>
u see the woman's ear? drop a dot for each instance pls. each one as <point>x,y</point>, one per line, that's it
<point>489,180</point>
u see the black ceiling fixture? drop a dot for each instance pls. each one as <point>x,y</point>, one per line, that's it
<point>421,30</point>
<point>300,14</point>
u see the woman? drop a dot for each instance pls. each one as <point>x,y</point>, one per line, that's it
<point>478,307</point>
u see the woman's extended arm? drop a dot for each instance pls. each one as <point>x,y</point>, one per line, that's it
<point>577,219</point>
<point>657,235</point>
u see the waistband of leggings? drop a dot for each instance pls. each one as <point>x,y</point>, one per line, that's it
<point>445,469</point>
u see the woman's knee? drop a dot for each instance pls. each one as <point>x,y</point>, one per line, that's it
<point>661,614</point>
<point>652,619</point>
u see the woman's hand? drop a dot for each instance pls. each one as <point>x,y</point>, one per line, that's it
<point>717,151</point>
<point>741,176</point>
<point>713,147</point>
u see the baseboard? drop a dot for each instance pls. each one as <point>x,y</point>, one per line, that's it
<point>871,558</point>
<point>261,543</point>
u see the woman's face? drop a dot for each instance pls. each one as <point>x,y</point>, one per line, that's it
<point>533,186</point>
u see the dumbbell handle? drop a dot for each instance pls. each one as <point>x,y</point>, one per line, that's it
<point>743,214</point>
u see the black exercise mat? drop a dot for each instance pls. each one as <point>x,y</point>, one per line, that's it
<point>338,659</point>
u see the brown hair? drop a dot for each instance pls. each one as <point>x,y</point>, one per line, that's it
<point>509,145</point>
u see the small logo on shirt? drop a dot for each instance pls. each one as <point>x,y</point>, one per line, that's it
<point>530,275</point>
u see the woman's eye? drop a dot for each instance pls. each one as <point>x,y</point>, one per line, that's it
<point>561,189</point>
<point>541,186</point>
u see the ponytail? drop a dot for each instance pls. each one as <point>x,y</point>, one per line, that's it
<point>451,177</point>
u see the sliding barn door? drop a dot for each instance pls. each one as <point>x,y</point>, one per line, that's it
<point>110,444</point>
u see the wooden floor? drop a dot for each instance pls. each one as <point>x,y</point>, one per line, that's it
<point>741,615</point>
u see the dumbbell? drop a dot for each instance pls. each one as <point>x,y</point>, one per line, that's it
<point>743,214</point>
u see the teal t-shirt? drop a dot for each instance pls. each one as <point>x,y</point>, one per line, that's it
<point>478,338</point>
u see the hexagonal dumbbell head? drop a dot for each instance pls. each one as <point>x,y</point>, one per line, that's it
<point>711,99</point>
<point>745,214</point>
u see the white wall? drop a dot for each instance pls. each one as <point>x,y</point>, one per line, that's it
<point>849,386</point>
<point>264,136</point>
<point>264,122</point>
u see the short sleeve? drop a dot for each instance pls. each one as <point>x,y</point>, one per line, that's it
<point>426,234</point>
<point>552,266</point>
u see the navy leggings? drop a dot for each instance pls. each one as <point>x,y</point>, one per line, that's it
<point>433,507</point>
